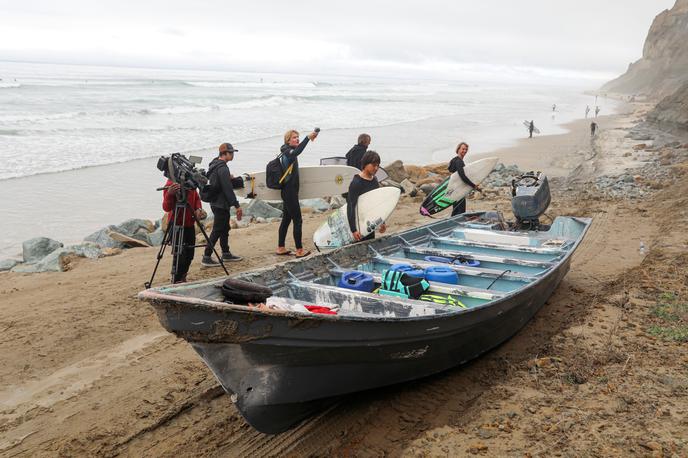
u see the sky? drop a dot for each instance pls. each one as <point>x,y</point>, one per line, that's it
<point>426,38</point>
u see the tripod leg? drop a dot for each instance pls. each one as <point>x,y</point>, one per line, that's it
<point>161,252</point>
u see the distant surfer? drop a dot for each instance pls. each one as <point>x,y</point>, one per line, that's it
<point>593,128</point>
<point>554,107</point>
<point>531,128</point>
<point>363,182</point>
<point>587,111</point>
<point>457,165</point>
<point>290,191</point>
<point>355,154</point>
<point>597,111</point>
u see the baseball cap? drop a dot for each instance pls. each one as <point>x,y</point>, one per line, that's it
<point>227,148</point>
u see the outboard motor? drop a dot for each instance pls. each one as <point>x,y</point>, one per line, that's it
<point>530,199</point>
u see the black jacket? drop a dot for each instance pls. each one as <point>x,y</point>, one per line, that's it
<point>354,156</point>
<point>357,188</point>
<point>218,171</point>
<point>457,165</point>
<point>290,156</point>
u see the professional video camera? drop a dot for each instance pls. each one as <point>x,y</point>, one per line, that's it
<point>181,170</point>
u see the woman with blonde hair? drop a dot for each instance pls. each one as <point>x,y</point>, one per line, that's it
<point>291,209</point>
<point>457,165</point>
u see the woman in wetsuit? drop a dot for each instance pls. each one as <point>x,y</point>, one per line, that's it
<point>290,191</point>
<point>457,165</point>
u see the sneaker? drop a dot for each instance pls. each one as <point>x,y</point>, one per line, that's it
<point>208,261</point>
<point>229,257</point>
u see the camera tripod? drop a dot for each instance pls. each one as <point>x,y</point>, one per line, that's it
<point>174,236</point>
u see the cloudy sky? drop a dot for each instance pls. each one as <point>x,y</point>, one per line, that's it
<point>428,37</point>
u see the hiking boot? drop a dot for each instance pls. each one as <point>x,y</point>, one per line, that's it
<point>208,261</point>
<point>229,257</point>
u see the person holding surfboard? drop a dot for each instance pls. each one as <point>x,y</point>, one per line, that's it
<point>289,153</point>
<point>456,165</point>
<point>363,182</point>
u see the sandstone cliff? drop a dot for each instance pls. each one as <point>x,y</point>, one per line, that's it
<point>672,112</point>
<point>664,65</point>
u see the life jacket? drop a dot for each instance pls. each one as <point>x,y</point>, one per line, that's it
<point>444,299</point>
<point>404,284</point>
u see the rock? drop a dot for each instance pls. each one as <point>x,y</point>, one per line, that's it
<point>337,202</point>
<point>396,171</point>
<point>409,188</point>
<point>155,238</point>
<point>278,205</point>
<point>391,183</point>
<point>37,248</point>
<point>257,207</point>
<point>261,220</point>
<point>7,264</point>
<point>640,146</point>
<point>132,226</point>
<point>111,251</point>
<point>53,262</point>
<point>318,205</point>
<point>499,167</point>
<point>626,154</point>
<point>127,241</point>
<point>427,188</point>
<point>86,250</point>
<point>416,173</point>
<point>274,220</point>
<point>103,239</point>
<point>242,224</point>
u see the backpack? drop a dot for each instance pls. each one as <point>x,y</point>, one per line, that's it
<point>210,191</point>
<point>275,174</point>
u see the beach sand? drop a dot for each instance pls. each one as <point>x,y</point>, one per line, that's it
<point>88,370</point>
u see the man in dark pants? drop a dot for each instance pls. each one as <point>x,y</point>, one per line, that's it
<point>183,258</point>
<point>593,128</point>
<point>531,128</point>
<point>457,165</point>
<point>353,157</point>
<point>362,183</point>
<point>225,199</point>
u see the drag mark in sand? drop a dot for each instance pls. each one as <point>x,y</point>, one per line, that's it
<point>68,381</point>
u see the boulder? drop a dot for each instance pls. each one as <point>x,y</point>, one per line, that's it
<point>337,202</point>
<point>128,241</point>
<point>258,208</point>
<point>318,204</point>
<point>155,238</point>
<point>53,262</point>
<point>416,173</point>
<point>102,238</point>
<point>86,250</point>
<point>427,188</point>
<point>409,188</point>
<point>7,264</point>
<point>278,205</point>
<point>37,248</point>
<point>132,226</point>
<point>261,220</point>
<point>396,171</point>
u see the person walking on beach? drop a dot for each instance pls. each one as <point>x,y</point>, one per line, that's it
<point>531,128</point>
<point>353,157</point>
<point>597,111</point>
<point>587,111</point>
<point>225,199</point>
<point>289,154</point>
<point>361,183</point>
<point>182,258</point>
<point>593,128</point>
<point>554,107</point>
<point>457,165</point>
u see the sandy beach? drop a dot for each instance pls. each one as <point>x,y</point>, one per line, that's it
<point>88,370</point>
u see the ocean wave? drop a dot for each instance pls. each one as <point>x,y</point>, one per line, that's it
<point>249,84</point>
<point>4,85</point>
<point>9,132</point>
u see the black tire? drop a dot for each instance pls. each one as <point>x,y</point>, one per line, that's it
<point>244,292</point>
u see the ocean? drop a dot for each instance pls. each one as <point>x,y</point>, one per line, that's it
<point>78,144</point>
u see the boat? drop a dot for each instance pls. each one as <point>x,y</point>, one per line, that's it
<point>283,360</point>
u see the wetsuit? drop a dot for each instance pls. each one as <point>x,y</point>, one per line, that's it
<point>290,194</point>
<point>457,165</point>
<point>354,156</point>
<point>358,187</point>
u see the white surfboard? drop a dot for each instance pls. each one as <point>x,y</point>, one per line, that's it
<point>373,209</point>
<point>527,124</point>
<point>475,171</point>
<point>314,181</point>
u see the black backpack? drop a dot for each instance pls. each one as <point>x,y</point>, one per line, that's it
<point>210,191</point>
<point>275,174</point>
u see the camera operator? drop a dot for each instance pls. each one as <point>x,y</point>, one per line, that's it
<point>186,224</point>
<point>225,199</point>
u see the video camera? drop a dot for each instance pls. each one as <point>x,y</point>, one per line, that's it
<point>181,170</point>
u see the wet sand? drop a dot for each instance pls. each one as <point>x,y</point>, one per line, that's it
<point>88,370</point>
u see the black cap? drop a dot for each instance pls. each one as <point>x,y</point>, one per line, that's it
<point>227,148</point>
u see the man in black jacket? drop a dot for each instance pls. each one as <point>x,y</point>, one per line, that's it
<point>353,157</point>
<point>225,199</point>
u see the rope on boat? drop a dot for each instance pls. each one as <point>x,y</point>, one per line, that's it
<point>500,276</point>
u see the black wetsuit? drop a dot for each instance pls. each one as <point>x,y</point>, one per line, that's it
<point>354,156</point>
<point>358,187</point>
<point>290,195</point>
<point>223,202</point>
<point>457,165</point>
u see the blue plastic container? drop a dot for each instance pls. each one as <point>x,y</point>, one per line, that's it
<point>408,269</point>
<point>358,281</point>
<point>441,274</point>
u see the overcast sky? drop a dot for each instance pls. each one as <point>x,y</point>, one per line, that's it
<point>428,37</point>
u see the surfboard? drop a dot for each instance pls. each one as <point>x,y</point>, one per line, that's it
<point>314,181</point>
<point>373,209</point>
<point>527,124</point>
<point>453,188</point>
<point>381,173</point>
